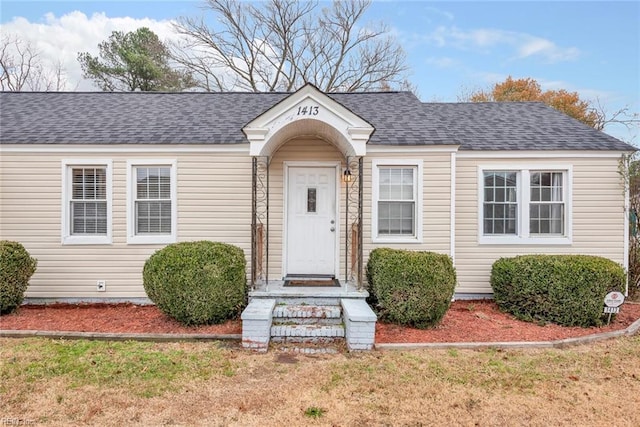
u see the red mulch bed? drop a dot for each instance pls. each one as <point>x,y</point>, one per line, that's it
<point>481,321</point>
<point>123,318</point>
<point>466,321</point>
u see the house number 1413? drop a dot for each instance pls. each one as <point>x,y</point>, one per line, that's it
<point>310,110</point>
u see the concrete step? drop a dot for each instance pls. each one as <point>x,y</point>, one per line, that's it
<point>307,300</point>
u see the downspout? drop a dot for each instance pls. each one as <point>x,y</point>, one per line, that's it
<point>627,208</point>
<point>346,229</point>
<point>254,225</point>
<point>360,235</point>
<point>452,226</point>
<point>267,160</point>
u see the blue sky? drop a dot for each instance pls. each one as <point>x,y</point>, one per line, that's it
<point>452,47</point>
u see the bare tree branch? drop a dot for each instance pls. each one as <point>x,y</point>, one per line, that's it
<point>21,68</point>
<point>282,44</point>
<point>623,116</point>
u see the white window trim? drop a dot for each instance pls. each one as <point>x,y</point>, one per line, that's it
<point>375,174</point>
<point>65,219</point>
<point>523,237</point>
<point>134,239</point>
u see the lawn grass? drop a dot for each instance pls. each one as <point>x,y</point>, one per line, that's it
<point>59,382</point>
<point>144,368</point>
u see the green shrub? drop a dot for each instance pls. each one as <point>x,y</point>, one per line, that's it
<point>410,288</point>
<point>197,282</point>
<point>565,289</point>
<point>16,267</point>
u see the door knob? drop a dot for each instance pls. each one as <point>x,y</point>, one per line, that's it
<point>333,221</point>
<point>333,229</point>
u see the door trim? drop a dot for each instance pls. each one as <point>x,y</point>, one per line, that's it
<point>285,198</point>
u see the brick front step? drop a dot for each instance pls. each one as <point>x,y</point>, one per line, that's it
<point>314,350</point>
<point>280,321</point>
<point>351,323</point>
<point>314,331</point>
<point>307,311</point>
<point>319,341</point>
<point>307,315</point>
<point>310,348</point>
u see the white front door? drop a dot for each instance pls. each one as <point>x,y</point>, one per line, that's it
<point>311,221</point>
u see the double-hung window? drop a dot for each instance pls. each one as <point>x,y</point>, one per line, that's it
<point>525,206</point>
<point>500,202</point>
<point>397,201</point>
<point>547,204</point>
<point>86,206</point>
<point>151,202</point>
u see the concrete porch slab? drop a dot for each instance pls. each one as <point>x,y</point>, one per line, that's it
<point>276,289</point>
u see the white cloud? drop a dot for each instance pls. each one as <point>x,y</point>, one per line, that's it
<point>442,62</point>
<point>439,13</point>
<point>523,45</point>
<point>59,39</point>
<point>482,37</point>
<point>553,53</point>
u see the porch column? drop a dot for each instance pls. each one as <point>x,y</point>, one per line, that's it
<point>353,221</point>
<point>260,221</point>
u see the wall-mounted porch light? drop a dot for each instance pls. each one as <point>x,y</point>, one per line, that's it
<point>346,175</point>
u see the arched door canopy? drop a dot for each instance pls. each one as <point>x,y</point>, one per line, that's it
<point>308,112</point>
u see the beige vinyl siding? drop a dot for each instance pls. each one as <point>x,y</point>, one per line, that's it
<point>214,203</point>
<point>597,216</point>
<point>436,201</point>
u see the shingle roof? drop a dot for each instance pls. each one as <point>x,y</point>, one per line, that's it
<point>129,117</point>
<point>217,118</point>
<point>517,126</point>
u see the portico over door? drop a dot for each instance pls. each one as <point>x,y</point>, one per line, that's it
<point>308,246</point>
<point>311,221</point>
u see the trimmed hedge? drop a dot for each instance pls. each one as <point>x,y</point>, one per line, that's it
<point>16,268</point>
<point>568,290</point>
<point>410,288</point>
<point>197,282</point>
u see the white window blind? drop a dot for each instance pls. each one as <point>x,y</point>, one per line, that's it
<point>88,204</point>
